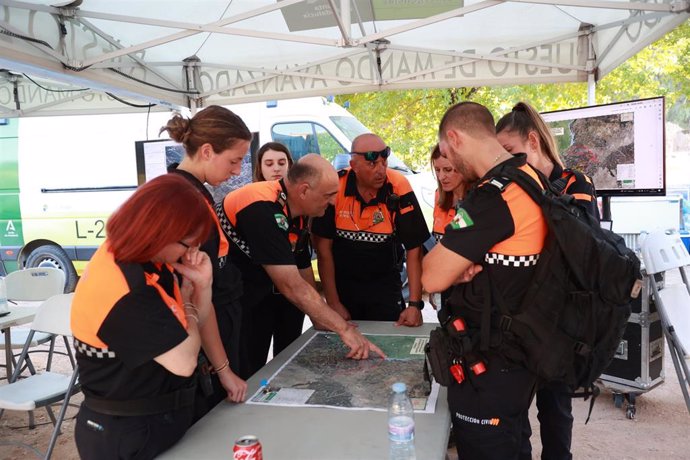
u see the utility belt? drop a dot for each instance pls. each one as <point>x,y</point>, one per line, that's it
<point>139,407</point>
<point>451,353</point>
<point>455,352</point>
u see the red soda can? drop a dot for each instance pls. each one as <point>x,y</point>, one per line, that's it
<point>247,448</point>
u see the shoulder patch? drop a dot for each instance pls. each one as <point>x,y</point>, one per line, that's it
<point>282,221</point>
<point>461,220</point>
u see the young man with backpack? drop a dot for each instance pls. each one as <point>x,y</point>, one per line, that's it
<point>542,291</point>
<point>492,245</point>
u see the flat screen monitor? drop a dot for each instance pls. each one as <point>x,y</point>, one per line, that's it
<point>156,156</point>
<point>621,146</point>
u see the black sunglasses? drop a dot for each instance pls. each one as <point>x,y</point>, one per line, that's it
<point>374,155</point>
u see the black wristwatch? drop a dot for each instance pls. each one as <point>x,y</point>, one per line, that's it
<point>416,303</point>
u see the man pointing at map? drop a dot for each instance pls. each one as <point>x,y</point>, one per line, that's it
<point>257,219</point>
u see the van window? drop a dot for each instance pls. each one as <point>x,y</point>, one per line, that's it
<point>306,137</point>
<point>350,126</point>
<point>397,164</point>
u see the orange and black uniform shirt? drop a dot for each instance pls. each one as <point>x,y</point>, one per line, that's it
<point>442,217</point>
<point>227,280</point>
<point>261,231</point>
<point>121,321</point>
<point>368,238</point>
<point>579,186</point>
<point>501,228</point>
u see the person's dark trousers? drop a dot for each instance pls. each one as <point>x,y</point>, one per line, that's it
<point>371,301</point>
<point>107,437</point>
<point>229,318</point>
<point>273,314</point>
<point>289,321</point>
<point>555,414</point>
<point>526,448</point>
<point>247,368</point>
<point>488,411</point>
<point>203,402</point>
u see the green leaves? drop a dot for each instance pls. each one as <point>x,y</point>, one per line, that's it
<point>408,120</point>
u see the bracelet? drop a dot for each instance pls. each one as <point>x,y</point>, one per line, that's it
<point>193,316</point>
<point>223,366</point>
<point>190,305</point>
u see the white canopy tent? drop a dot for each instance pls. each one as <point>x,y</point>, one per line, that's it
<point>73,58</point>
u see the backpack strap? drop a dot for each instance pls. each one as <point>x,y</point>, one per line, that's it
<point>562,182</point>
<point>485,325</point>
<point>527,182</point>
<point>593,391</point>
<point>499,182</point>
<point>507,174</point>
<point>493,296</point>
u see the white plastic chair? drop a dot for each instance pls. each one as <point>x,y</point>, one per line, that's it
<point>34,284</point>
<point>45,388</point>
<point>661,252</point>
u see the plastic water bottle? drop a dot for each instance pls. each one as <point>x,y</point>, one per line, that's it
<point>401,424</point>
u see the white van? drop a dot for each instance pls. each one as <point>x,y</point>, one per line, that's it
<point>63,176</point>
<point>315,125</point>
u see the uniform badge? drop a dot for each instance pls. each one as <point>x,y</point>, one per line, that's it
<point>461,220</point>
<point>281,220</point>
<point>377,217</point>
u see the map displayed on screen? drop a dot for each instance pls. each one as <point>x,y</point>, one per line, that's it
<point>619,146</point>
<point>602,147</point>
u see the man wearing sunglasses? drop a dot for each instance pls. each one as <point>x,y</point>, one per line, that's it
<point>362,240</point>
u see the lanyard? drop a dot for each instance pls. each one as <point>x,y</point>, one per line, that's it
<point>298,230</point>
<point>224,245</point>
<point>174,304</point>
<point>282,199</point>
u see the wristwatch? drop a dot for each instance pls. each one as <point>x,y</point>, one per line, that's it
<point>416,303</point>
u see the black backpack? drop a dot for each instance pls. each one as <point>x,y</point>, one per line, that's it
<point>577,305</point>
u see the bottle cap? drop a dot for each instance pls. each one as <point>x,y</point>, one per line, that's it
<point>399,387</point>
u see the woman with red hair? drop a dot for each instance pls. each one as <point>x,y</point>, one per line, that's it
<point>136,315</point>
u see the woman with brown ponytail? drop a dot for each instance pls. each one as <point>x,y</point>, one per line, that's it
<point>215,142</point>
<point>523,130</point>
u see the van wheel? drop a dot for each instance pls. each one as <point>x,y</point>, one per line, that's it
<point>54,257</point>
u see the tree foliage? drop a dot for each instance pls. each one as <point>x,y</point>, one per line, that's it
<point>408,120</point>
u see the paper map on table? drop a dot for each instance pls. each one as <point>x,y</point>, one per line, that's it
<point>319,375</point>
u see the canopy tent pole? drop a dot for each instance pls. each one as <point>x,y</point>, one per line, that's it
<point>591,70</point>
<point>346,17</point>
<point>591,89</point>
<point>191,69</point>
